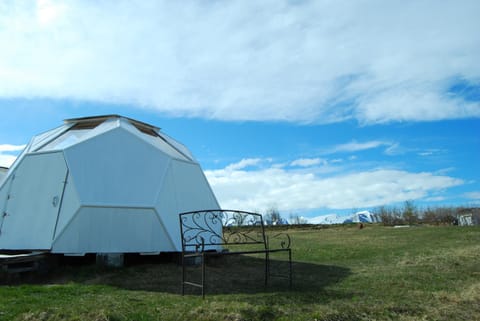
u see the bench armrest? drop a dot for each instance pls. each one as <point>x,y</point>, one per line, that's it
<point>279,241</point>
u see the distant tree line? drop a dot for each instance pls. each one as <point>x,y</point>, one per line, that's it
<point>407,214</point>
<point>272,216</point>
<point>410,214</point>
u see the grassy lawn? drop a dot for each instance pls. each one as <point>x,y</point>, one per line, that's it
<point>340,273</point>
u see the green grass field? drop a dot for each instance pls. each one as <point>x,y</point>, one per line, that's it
<point>340,273</point>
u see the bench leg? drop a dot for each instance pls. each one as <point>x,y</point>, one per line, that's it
<point>183,274</point>
<point>267,268</point>
<point>290,268</point>
<point>203,275</point>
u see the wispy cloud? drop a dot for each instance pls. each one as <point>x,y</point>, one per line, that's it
<point>296,190</point>
<point>435,199</point>
<point>472,195</point>
<point>395,149</point>
<point>11,148</point>
<point>300,61</point>
<point>307,162</point>
<point>246,162</point>
<point>355,146</point>
<point>430,152</point>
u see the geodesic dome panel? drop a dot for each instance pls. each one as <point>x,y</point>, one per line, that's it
<point>116,168</point>
<point>113,230</point>
<point>185,189</point>
<point>70,206</point>
<point>33,202</point>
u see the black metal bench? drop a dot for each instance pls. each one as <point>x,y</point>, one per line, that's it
<point>228,232</point>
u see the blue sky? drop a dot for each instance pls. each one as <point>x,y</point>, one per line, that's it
<point>313,107</point>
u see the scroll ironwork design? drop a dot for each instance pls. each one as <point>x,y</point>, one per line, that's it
<point>221,227</point>
<point>279,240</point>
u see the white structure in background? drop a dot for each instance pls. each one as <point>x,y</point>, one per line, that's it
<point>327,219</point>
<point>465,220</point>
<point>469,216</point>
<point>106,184</point>
<point>359,217</point>
<point>364,217</point>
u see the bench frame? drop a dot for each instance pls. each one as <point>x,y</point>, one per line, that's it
<point>205,233</point>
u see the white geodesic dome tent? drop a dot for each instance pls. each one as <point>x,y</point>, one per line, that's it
<point>106,184</point>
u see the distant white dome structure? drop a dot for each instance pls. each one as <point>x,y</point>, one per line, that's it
<point>364,217</point>
<point>105,184</point>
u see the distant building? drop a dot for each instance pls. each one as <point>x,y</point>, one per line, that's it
<point>468,216</point>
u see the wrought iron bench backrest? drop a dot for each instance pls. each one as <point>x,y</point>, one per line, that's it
<point>213,229</point>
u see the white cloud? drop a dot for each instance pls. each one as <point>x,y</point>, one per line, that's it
<point>426,153</point>
<point>444,171</point>
<point>297,190</point>
<point>307,162</point>
<point>473,195</point>
<point>395,149</point>
<point>6,159</point>
<point>355,146</point>
<point>307,61</point>
<point>415,103</point>
<point>48,11</point>
<point>11,148</point>
<point>246,162</point>
<point>435,199</point>
<point>430,152</point>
